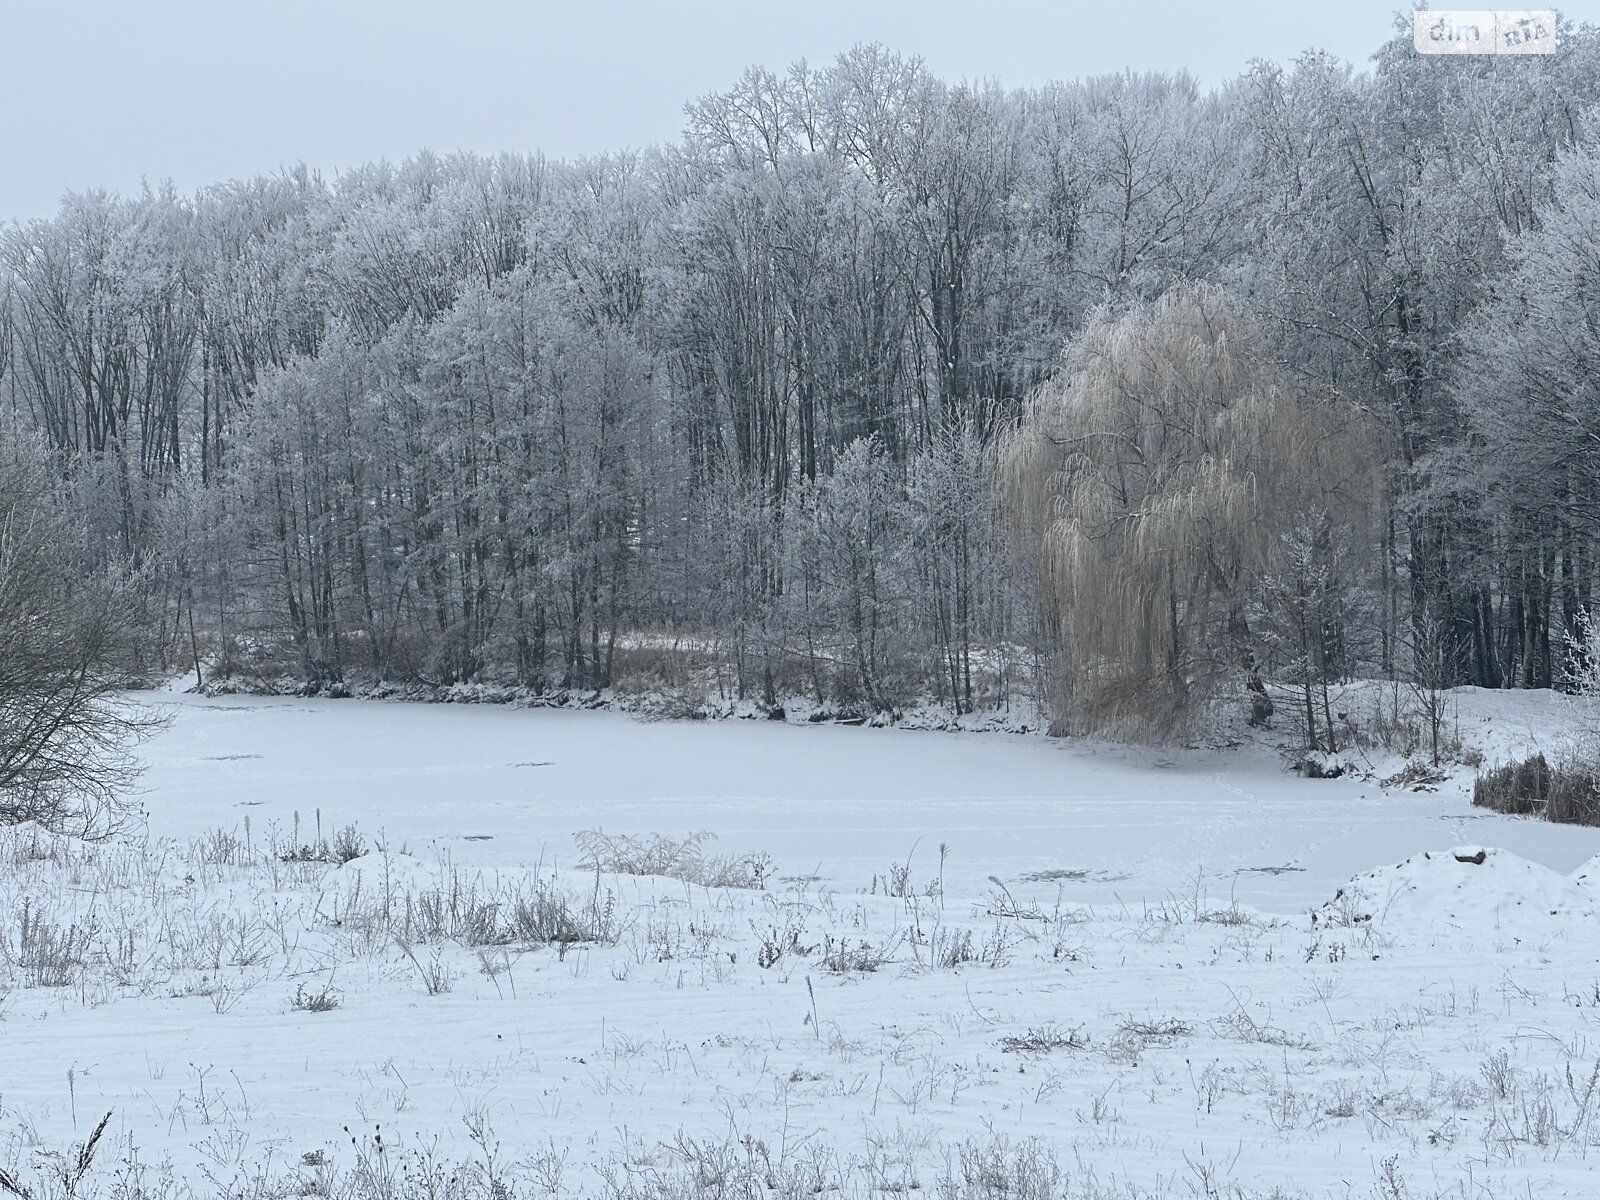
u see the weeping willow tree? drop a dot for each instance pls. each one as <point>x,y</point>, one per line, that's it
<point>1154,480</point>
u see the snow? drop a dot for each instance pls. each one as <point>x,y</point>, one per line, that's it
<point>1155,973</point>
<point>507,787</point>
<point>1473,891</point>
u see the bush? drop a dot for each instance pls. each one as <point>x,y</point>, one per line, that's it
<point>347,846</point>
<point>1043,1040</point>
<point>1574,798</point>
<point>325,1000</point>
<point>1568,795</point>
<point>673,858</point>
<point>68,637</point>
<point>1518,788</point>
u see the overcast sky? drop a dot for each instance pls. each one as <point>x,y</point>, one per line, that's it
<point>106,93</point>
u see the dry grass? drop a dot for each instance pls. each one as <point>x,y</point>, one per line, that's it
<point>1565,794</point>
<point>682,858</point>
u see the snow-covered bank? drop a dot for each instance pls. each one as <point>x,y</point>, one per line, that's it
<point>979,967</point>
<point>700,703</point>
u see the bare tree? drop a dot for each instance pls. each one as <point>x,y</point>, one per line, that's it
<point>66,732</point>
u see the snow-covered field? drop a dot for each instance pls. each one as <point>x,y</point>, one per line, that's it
<point>966,965</point>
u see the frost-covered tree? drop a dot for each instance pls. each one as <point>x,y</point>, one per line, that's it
<point>949,517</point>
<point>1581,674</point>
<point>1311,619</point>
<point>1382,202</point>
<point>68,634</point>
<point>1530,386</point>
<point>850,553</point>
<point>468,419</point>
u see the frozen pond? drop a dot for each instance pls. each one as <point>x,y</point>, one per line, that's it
<point>500,786</point>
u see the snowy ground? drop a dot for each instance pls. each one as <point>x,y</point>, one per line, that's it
<point>980,965</point>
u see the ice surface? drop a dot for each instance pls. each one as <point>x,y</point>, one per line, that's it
<point>508,787</point>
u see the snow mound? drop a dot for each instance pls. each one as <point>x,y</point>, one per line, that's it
<point>1470,888</point>
<point>1587,876</point>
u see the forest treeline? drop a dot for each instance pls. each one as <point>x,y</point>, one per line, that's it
<point>734,413</point>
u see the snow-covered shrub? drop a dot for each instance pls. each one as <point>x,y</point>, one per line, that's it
<point>1582,673</point>
<point>673,858</point>
<point>324,999</point>
<point>347,845</point>
<point>1418,775</point>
